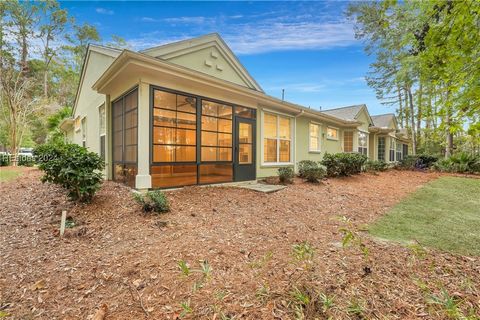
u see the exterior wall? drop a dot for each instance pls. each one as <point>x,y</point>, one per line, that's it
<point>373,146</point>
<point>88,103</point>
<point>210,61</point>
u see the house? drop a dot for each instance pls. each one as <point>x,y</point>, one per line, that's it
<point>189,113</point>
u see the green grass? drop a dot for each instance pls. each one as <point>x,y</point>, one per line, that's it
<point>444,214</point>
<point>8,174</point>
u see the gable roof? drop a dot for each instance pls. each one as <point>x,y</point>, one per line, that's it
<point>213,40</point>
<point>384,120</point>
<point>349,113</point>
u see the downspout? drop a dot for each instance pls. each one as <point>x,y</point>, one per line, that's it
<point>295,140</point>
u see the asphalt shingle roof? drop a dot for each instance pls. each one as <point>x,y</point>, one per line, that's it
<point>345,113</point>
<point>382,120</point>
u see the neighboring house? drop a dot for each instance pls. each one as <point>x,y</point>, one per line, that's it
<point>189,113</point>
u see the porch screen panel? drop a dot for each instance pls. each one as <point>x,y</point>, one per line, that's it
<point>174,140</point>
<point>216,143</point>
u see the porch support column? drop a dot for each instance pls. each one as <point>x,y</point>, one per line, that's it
<point>143,180</point>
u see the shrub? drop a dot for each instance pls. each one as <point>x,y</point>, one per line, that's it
<point>343,164</point>
<point>305,165</point>
<point>4,160</point>
<point>73,167</point>
<point>314,174</point>
<point>419,162</point>
<point>459,163</point>
<point>286,174</point>
<point>153,201</point>
<point>374,166</point>
<point>26,161</point>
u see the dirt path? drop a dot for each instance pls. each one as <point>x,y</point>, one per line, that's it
<point>119,257</point>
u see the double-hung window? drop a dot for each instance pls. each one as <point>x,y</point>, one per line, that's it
<point>362,143</point>
<point>314,144</point>
<point>277,138</point>
<point>392,149</point>
<point>348,141</point>
<point>381,148</point>
<point>399,152</point>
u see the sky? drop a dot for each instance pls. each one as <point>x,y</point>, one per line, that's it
<point>307,48</point>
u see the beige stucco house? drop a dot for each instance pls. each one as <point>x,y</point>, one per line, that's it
<point>189,113</point>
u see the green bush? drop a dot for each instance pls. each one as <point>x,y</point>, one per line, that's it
<point>459,163</point>
<point>305,165</point>
<point>419,162</point>
<point>73,167</point>
<point>314,174</point>
<point>343,164</point>
<point>374,166</point>
<point>286,174</point>
<point>26,161</point>
<point>4,160</point>
<point>153,201</point>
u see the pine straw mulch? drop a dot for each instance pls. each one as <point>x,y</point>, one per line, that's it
<point>115,258</point>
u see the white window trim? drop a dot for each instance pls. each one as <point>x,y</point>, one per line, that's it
<point>105,123</point>
<point>332,138</point>
<point>84,132</point>
<point>319,150</point>
<point>262,136</point>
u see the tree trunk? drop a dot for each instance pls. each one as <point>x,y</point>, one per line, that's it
<point>419,113</point>
<point>400,107</point>
<point>45,83</point>
<point>448,133</point>
<point>412,121</point>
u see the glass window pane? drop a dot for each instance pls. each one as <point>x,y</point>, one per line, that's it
<point>270,150</point>
<point>131,136</point>
<point>164,100</point>
<point>314,143</point>
<point>209,108</point>
<point>332,133</point>
<point>224,111</point>
<point>187,137</point>
<point>284,130</point>
<point>209,154</point>
<point>245,132</point>
<point>118,123</point>
<point>224,154</point>
<point>245,153</point>
<point>224,125</point>
<point>165,118</point>
<point>101,119</point>
<point>163,135</point>
<point>209,138</point>
<point>284,151</point>
<point>270,126</point>
<point>215,173</point>
<point>173,176</point>
<point>185,154</point>
<point>131,100</point>
<point>209,123</point>
<point>163,153</point>
<point>131,153</point>
<point>225,139</point>
<point>186,120</point>
<point>244,112</point>
<point>186,104</point>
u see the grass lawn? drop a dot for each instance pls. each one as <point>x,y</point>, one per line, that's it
<point>444,214</point>
<point>7,174</point>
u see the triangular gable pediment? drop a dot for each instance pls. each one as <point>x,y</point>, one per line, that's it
<point>208,54</point>
<point>364,116</point>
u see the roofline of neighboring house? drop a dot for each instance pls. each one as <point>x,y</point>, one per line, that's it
<point>66,124</point>
<point>91,47</point>
<point>128,56</point>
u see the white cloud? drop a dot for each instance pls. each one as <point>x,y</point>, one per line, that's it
<point>104,11</point>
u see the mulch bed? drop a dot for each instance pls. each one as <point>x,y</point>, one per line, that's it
<point>119,259</point>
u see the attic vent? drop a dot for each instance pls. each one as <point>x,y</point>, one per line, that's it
<point>219,67</point>
<point>214,54</point>
<point>208,63</point>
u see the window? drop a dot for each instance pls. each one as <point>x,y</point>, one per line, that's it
<point>314,137</point>
<point>399,152</point>
<point>332,133</point>
<point>405,150</point>
<point>277,139</point>
<point>102,129</point>
<point>362,143</point>
<point>348,141</point>
<point>381,148</point>
<point>392,149</point>
<point>84,132</point>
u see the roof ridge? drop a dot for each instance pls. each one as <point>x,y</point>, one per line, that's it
<point>180,41</point>
<point>354,105</point>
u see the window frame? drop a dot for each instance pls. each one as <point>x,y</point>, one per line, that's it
<point>366,142</point>
<point>278,139</point>
<point>83,125</point>
<point>384,148</point>
<point>391,155</point>
<point>319,138</point>
<point>331,137</point>
<point>353,144</point>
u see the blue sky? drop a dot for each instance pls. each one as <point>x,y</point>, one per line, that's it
<point>306,48</point>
